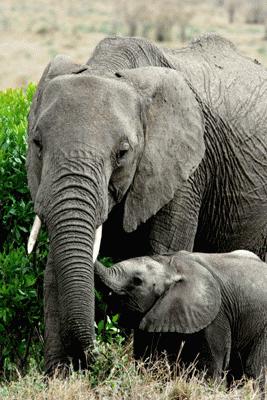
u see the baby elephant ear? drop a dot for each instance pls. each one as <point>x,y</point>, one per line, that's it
<point>188,305</point>
<point>173,141</point>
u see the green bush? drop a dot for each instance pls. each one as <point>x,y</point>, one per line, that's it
<point>21,311</point>
<point>21,320</point>
<point>16,211</point>
<point>21,276</point>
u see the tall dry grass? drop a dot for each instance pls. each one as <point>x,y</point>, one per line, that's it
<point>116,376</point>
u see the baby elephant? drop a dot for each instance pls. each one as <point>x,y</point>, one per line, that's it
<point>216,304</point>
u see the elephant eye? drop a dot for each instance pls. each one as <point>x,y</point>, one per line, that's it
<point>124,147</point>
<point>137,281</point>
<point>38,144</point>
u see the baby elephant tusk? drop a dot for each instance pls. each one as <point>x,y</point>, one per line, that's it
<point>34,234</point>
<point>98,236</point>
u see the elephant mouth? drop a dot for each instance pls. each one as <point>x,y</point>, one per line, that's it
<point>116,305</point>
<point>116,302</point>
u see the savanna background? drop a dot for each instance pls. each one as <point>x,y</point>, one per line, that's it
<point>31,33</point>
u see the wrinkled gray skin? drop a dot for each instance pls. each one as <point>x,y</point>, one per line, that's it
<point>216,303</point>
<point>176,139</point>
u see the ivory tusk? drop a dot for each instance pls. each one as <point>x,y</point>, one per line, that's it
<point>34,234</point>
<point>98,236</point>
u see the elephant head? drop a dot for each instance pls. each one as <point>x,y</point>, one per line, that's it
<point>95,139</point>
<point>162,293</point>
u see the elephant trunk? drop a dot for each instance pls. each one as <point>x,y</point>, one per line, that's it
<point>110,278</point>
<point>73,215</point>
<point>71,252</point>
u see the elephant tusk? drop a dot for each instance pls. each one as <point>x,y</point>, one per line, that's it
<point>98,236</point>
<point>34,234</point>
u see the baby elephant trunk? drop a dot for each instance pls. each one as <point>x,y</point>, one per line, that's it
<point>109,279</point>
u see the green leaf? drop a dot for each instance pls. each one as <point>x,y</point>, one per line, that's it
<point>115,318</point>
<point>30,280</point>
<point>100,326</point>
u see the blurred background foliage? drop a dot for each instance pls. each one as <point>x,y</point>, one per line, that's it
<point>175,19</point>
<point>32,32</point>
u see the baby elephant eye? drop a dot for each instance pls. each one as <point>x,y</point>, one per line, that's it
<point>137,281</point>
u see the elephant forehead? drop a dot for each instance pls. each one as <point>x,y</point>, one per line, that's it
<point>82,98</point>
<point>144,265</point>
<point>87,84</point>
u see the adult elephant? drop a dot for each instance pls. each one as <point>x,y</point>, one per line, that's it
<point>176,139</point>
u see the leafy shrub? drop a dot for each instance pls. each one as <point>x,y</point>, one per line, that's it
<point>21,276</point>
<point>21,315</point>
<point>21,320</point>
<point>16,211</point>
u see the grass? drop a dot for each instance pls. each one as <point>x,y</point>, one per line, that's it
<point>116,376</point>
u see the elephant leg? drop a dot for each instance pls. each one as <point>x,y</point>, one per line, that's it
<point>236,368</point>
<point>145,345</point>
<point>175,225</point>
<point>55,354</point>
<point>215,354</point>
<point>256,362</point>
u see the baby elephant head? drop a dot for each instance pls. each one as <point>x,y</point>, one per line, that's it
<point>163,293</point>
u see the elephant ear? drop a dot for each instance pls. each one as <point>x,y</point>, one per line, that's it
<point>188,305</point>
<point>60,65</point>
<point>173,140</point>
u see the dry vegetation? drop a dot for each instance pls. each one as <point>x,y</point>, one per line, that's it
<point>32,32</point>
<point>116,377</point>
